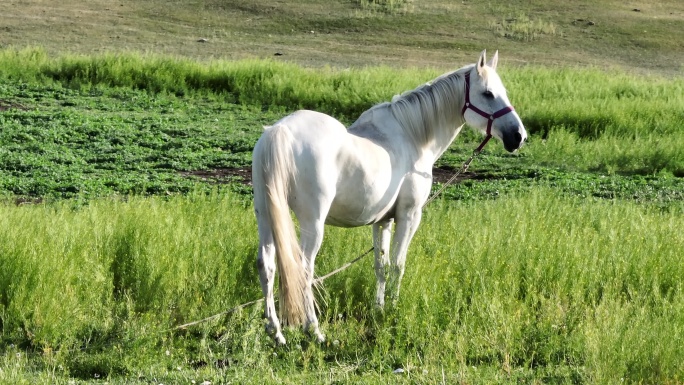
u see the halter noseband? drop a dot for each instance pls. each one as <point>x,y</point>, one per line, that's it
<point>490,117</point>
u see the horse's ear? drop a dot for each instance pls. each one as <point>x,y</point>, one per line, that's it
<point>481,62</point>
<point>494,60</point>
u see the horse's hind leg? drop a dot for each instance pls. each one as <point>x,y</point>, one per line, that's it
<point>267,268</point>
<point>311,235</point>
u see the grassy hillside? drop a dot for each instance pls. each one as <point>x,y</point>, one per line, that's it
<point>558,264</point>
<point>432,33</point>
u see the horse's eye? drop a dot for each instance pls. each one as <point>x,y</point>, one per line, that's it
<point>488,94</point>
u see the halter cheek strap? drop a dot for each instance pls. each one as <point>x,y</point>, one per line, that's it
<point>490,117</point>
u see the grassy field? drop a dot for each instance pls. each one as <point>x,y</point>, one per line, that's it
<point>123,142</point>
<point>499,290</point>
<point>496,291</point>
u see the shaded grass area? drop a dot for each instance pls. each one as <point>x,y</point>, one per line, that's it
<point>94,143</point>
<point>78,126</point>
<point>530,286</point>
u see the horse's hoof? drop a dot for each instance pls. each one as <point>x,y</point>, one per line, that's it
<point>279,338</point>
<point>320,337</point>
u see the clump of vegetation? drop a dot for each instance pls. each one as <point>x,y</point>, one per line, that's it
<point>391,7</point>
<point>523,27</point>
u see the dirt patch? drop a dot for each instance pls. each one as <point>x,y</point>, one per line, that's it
<point>6,105</point>
<point>444,173</point>
<point>23,201</point>
<point>244,175</point>
<point>223,175</point>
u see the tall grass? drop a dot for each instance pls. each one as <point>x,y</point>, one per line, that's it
<point>589,102</point>
<point>562,281</point>
<point>69,272</point>
<point>613,154</point>
<point>593,119</point>
<point>256,82</point>
<point>521,288</point>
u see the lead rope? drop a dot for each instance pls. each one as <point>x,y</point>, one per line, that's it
<point>463,169</point>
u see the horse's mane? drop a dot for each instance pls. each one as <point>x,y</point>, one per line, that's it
<point>430,107</point>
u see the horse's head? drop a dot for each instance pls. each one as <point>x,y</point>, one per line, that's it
<point>487,106</point>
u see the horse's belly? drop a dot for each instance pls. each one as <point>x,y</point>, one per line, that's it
<point>359,206</point>
<point>352,217</point>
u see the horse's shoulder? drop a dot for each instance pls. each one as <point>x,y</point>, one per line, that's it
<point>373,115</point>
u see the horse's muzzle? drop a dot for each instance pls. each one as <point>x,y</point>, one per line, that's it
<point>514,138</point>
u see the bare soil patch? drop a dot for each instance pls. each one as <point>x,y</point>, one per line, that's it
<point>6,105</point>
<point>244,175</point>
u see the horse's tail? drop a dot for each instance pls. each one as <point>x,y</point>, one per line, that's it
<point>277,171</point>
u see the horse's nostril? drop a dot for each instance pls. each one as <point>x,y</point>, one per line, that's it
<point>518,137</point>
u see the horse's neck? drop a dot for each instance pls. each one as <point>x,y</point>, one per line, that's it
<point>439,146</point>
<point>431,114</point>
<point>380,126</point>
<point>418,122</point>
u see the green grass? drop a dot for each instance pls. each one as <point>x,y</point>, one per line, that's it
<point>385,6</point>
<point>536,286</point>
<point>79,126</point>
<point>589,102</point>
<point>73,144</point>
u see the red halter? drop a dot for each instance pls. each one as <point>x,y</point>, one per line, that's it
<point>490,117</point>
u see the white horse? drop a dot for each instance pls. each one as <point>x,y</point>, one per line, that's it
<point>377,172</point>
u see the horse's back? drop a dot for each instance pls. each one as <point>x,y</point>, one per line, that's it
<point>314,139</point>
<point>308,125</point>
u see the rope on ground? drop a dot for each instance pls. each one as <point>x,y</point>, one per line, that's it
<point>463,169</point>
<point>238,307</point>
<point>343,267</point>
<point>244,305</point>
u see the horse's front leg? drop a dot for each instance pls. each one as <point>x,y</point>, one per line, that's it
<point>382,234</point>
<point>406,226</point>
